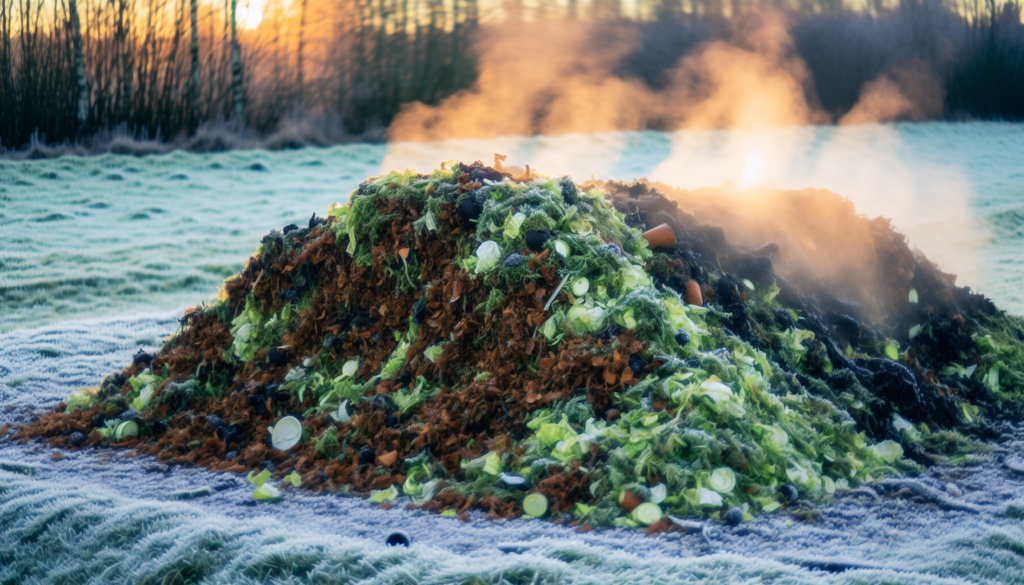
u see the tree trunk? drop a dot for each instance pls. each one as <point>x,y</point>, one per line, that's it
<point>302,33</point>
<point>193,89</point>
<point>237,92</point>
<point>125,78</point>
<point>6,69</point>
<point>82,82</point>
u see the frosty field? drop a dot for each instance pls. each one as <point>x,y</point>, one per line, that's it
<point>115,235</point>
<point>99,256</point>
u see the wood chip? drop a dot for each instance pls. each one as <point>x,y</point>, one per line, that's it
<point>388,459</point>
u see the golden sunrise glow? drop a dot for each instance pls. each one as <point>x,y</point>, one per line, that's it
<point>250,15</point>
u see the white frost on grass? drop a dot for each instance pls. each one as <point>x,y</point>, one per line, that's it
<point>99,516</point>
<point>77,244</point>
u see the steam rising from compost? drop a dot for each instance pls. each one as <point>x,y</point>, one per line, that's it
<point>559,78</point>
<point>930,201</point>
<point>562,77</point>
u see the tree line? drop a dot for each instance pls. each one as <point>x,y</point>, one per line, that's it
<point>164,69</point>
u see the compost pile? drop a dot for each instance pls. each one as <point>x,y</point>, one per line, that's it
<point>471,339</point>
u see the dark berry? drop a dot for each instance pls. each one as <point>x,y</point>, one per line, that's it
<point>398,539</point>
<point>469,209</point>
<point>682,337</point>
<point>367,456</point>
<point>514,259</point>
<point>734,516</point>
<point>536,239</point>
<point>258,402</point>
<point>637,365</point>
<point>392,422</point>
<point>77,438</point>
<point>230,433</point>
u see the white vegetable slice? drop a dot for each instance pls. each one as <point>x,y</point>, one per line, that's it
<point>287,433</point>
<point>350,368</point>
<point>707,497</point>
<point>342,415</point>
<point>723,480</point>
<point>125,430</point>
<point>535,505</point>
<point>659,493</point>
<point>830,485</point>
<point>580,287</point>
<point>488,256</point>
<point>647,514</point>
<point>267,492</point>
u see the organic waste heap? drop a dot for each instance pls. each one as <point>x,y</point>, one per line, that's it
<point>473,340</point>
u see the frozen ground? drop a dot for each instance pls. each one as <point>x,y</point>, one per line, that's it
<point>107,517</point>
<point>115,235</point>
<point>91,250</point>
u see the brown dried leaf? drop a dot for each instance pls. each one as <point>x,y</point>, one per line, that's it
<point>388,459</point>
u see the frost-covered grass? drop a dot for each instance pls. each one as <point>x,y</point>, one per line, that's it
<point>87,237</point>
<point>218,213</point>
<point>101,517</point>
<point>107,235</point>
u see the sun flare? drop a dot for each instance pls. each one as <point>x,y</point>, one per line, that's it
<point>250,15</point>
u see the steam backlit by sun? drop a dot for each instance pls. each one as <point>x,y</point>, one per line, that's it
<point>754,168</point>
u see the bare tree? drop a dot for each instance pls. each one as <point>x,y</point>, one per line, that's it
<point>80,78</point>
<point>193,89</point>
<point>237,91</point>
<point>124,80</point>
<point>302,34</point>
